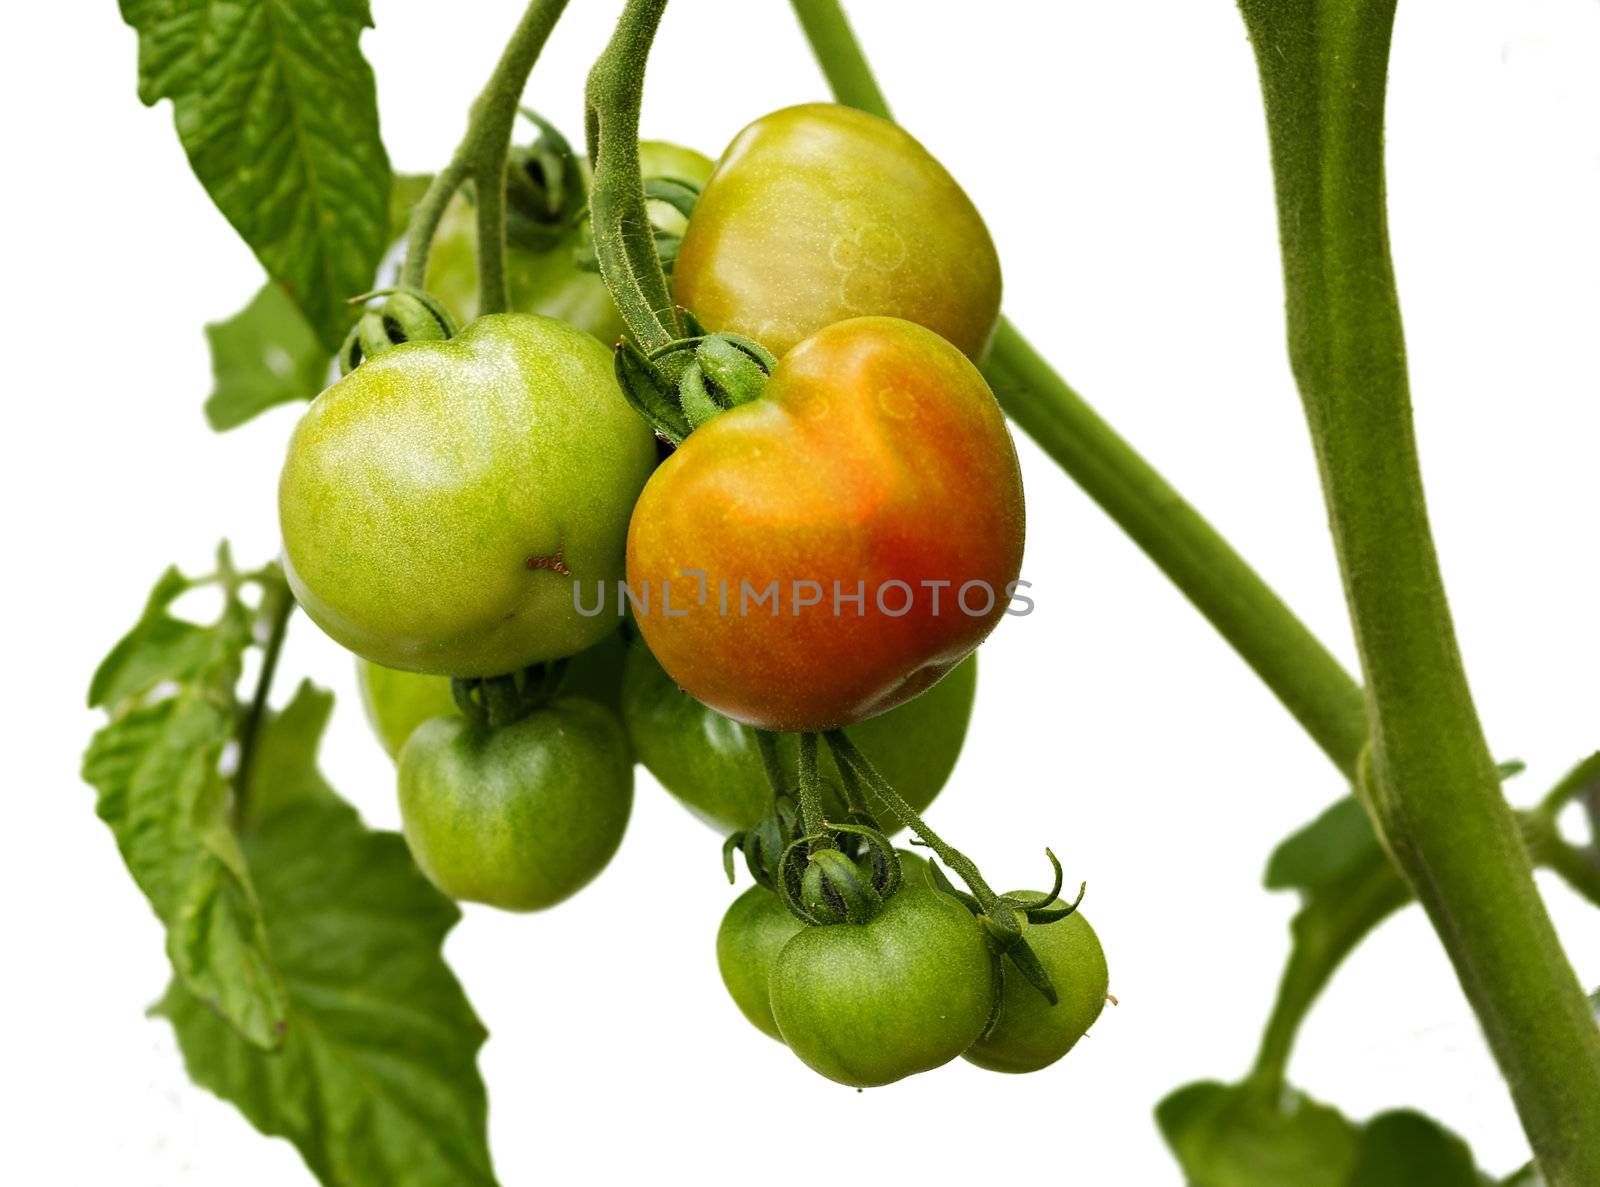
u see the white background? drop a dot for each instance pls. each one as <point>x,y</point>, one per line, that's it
<point>1119,155</point>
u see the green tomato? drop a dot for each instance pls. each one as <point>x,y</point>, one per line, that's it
<point>440,502</point>
<point>398,702</point>
<point>1030,1033</point>
<point>713,765</point>
<point>753,932</point>
<point>871,1003</point>
<point>522,816</point>
<point>550,282</point>
<point>820,213</point>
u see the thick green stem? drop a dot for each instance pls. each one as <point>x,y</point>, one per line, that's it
<point>624,240</point>
<point>1309,682</point>
<point>481,158</point>
<point>1435,792</point>
<point>767,745</point>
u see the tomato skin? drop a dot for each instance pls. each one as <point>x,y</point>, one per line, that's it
<point>1030,1033</point>
<point>550,282</point>
<point>869,1004</point>
<point>820,213</point>
<point>396,702</point>
<point>755,929</point>
<point>712,765</point>
<point>519,817</point>
<point>422,490</point>
<point>876,454</point>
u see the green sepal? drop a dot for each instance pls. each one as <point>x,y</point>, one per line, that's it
<point>1004,927</point>
<point>406,315</point>
<point>835,889</point>
<point>650,393</point>
<point>545,189</point>
<point>495,701</point>
<point>763,844</point>
<point>677,192</point>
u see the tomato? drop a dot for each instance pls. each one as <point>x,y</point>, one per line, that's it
<point>440,502</point>
<point>755,929</point>
<point>875,463</point>
<point>520,816</point>
<point>820,213</point>
<point>1030,1033</point>
<point>713,765</point>
<point>550,282</point>
<point>870,1003</point>
<point>753,932</point>
<point>397,702</point>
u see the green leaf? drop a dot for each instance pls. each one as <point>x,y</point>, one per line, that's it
<point>277,110</point>
<point>1227,1136</point>
<point>1404,1149</point>
<point>156,770</point>
<point>1239,1136</point>
<point>162,648</point>
<point>377,1081</point>
<point>1325,851</point>
<point>262,356</point>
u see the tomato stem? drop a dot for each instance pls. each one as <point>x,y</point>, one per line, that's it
<point>846,753</point>
<point>277,605</point>
<point>812,819</point>
<point>624,238</point>
<point>481,158</point>
<point>767,745</point>
<point>1435,792</point>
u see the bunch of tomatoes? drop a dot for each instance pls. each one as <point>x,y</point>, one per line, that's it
<point>542,588</point>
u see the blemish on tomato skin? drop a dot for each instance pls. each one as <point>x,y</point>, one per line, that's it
<point>552,563</point>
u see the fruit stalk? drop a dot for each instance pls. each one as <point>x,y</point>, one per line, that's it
<point>481,158</point>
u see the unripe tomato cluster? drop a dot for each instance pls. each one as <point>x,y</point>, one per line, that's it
<point>489,510</point>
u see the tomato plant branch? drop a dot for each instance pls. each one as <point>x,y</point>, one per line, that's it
<point>1306,679</point>
<point>481,158</point>
<point>1320,946</point>
<point>277,605</point>
<point>1435,792</point>
<point>624,240</point>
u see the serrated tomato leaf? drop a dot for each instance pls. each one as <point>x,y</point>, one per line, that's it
<point>156,769</point>
<point>277,111</point>
<point>265,355</point>
<point>377,1081</point>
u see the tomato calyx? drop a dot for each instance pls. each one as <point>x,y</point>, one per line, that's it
<point>546,193</point>
<point>495,701</point>
<point>404,315</point>
<point>682,384</point>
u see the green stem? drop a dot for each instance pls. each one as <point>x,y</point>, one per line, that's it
<point>812,818</point>
<point>481,158</point>
<point>624,239</point>
<point>767,746</point>
<point>277,605</point>
<point>848,755</point>
<point>1582,782</point>
<point>1436,793</point>
<point>840,56</point>
<point>1320,946</point>
<point>1308,681</point>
